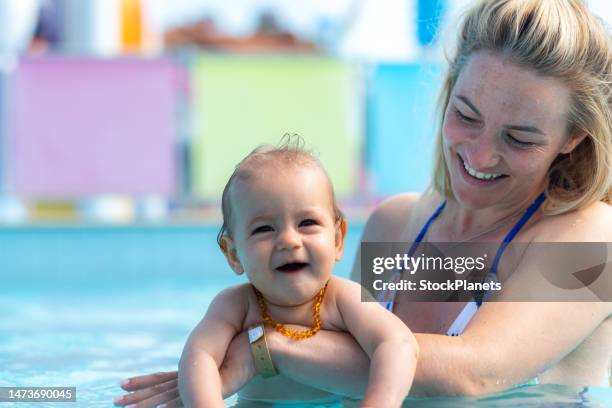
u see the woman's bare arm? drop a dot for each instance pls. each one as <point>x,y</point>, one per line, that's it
<point>505,344</point>
<point>486,358</point>
<point>151,390</point>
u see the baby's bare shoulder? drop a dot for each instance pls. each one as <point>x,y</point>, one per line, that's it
<point>362,316</point>
<point>232,298</point>
<point>234,291</point>
<point>347,291</point>
<point>337,283</point>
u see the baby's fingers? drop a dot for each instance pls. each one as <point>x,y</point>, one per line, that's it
<point>150,396</point>
<point>144,381</point>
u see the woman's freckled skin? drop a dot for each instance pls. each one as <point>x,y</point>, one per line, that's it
<point>505,95</point>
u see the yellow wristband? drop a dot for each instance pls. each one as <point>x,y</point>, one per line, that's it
<point>260,352</point>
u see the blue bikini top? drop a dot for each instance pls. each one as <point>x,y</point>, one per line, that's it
<point>507,239</point>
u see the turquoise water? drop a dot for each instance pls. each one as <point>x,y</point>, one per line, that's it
<point>87,307</point>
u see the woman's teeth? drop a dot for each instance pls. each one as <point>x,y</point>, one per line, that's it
<point>479,175</point>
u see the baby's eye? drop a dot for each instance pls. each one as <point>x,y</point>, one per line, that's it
<point>308,222</point>
<point>261,229</point>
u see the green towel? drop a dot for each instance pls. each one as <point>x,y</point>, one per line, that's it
<point>240,102</point>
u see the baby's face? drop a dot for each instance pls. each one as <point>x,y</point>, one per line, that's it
<point>284,233</point>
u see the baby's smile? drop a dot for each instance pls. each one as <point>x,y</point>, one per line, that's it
<point>291,267</point>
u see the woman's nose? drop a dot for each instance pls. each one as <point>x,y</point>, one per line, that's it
<point>288,238</point>
<point>482,153</point>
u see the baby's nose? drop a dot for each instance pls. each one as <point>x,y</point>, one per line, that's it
<point>288,239</point>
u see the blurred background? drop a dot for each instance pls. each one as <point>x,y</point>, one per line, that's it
<point>120,123</point>
<point>123,111</point>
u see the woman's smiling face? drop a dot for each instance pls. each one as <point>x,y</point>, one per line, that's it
<point>503,127</point>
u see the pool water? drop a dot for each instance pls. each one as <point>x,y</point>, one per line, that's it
<point>87,307</point>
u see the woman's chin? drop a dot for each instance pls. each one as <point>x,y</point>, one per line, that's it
<point>468,198</point>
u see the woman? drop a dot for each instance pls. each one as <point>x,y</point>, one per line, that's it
<point>524,153</point>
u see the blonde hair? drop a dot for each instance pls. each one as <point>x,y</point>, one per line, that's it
<point>559,39</point>
<point>289,152</point>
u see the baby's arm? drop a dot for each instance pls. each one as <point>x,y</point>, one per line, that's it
<point>199,381</point>
<point>392,348</point>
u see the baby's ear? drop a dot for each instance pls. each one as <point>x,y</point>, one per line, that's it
<point>229,250</point>
<point>341,226</point>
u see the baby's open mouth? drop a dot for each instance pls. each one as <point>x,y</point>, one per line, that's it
<point>292,267</point>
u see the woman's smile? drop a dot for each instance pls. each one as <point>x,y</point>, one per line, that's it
<point>477,178</point>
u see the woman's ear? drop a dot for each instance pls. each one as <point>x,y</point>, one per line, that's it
<point>229,250</point>
<point>573,141</point>
<point>340,237</point>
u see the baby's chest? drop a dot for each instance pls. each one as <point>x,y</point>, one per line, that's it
<point>329,317</point>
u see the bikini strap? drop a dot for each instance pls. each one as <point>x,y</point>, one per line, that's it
<point>507,239</point>
<point>387,297</point>
<point>517,227</point>
<point>492,274</point>
<point>423,231</point>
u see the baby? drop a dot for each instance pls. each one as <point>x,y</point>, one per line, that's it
<point>282,228</point>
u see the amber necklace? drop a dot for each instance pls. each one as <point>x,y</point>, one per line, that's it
<point>293,334</point>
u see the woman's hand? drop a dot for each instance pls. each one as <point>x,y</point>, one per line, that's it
<point>152,390</point>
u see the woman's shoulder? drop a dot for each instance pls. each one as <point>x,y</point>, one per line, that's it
<point>592,223</point>
<point>580,248</point>
<point>391,218</point>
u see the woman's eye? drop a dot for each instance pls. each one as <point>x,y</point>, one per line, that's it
<point>308,222</point>
<point>263,228</point>
<point>465,118</point>
<point>518,142</point>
